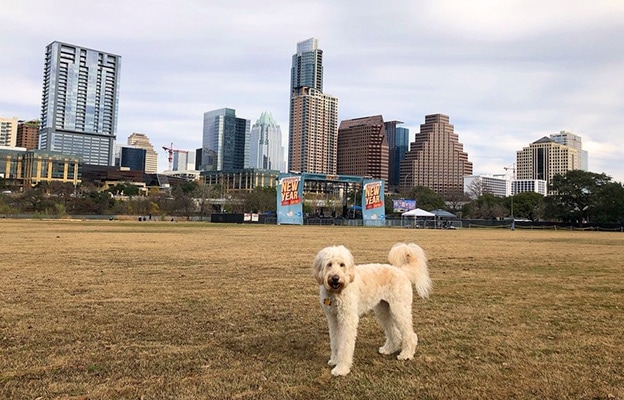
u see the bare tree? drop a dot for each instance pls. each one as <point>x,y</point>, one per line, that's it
<point>203,194</point>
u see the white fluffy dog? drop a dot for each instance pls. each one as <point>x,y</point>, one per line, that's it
<point>348,291</point>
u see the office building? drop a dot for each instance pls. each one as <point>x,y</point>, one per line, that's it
<point>436,159</point>
<point>131,157</point>
<point>571,140</point>
<point>26,168</point>
<point>243,180</point>
<point>8,131</point>
<point>478,185</point>
<point>79,102</point>
<point>198,159</point>
<point>544,159</point>
<point>225,142</point>
<point>141,140</point>
<point>179,160</point>
<point>313,120</point>
<point>529,185</point>
<point>28,134</point>
<point>363,148</point>
<point>501,185</point>
<point>398,143</point>
<point>266,150</point>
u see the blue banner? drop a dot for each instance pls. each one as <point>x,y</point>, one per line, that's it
<point>290,199</point>
<point>373,207</point>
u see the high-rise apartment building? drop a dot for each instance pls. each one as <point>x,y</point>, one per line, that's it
<point>266,150</point>
<point>544,159</point>
<point>225,142</point>
<point>313,136</point>
<point>141,141</point>
<point>8,131</point>
<point>436,159</point>
<point>571,140</point>
<point>363,148</point>
<point>398,144</point>
<point>28,134</point>
<point>79,102</point>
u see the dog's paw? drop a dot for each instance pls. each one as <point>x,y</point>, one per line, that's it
<point>403,356</point>
<point>340,370</point>
<point>387,350</point>
<point>331,362</point>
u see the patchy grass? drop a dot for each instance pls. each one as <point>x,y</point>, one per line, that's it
<point>158,310</point>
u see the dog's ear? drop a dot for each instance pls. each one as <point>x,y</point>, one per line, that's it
<point>317,266</point>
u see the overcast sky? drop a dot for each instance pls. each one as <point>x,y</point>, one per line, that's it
<point>506,72</point>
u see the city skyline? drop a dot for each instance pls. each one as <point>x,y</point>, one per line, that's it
<point>509,72</point>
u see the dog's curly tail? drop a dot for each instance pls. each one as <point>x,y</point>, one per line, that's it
<point>413,261</point>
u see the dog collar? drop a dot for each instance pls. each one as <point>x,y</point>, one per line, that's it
<point>327,302</point>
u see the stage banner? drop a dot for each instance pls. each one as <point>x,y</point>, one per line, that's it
<point>290,199</point>
<point>373,208</point>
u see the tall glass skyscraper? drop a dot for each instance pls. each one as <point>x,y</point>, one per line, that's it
<point>225,142</point>
<point>79,102</point>
<point>313,136</point>
<point>265,146</point>
<point>307,66</point>
<point>398,144</point>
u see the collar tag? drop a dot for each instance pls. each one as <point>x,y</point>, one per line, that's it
<point>327,302</point>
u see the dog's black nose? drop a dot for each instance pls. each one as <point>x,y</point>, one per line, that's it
<point>334,279</point>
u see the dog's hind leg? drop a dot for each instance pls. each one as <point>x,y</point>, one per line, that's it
<point>402,315</point>
<point>393,336</point>
<point>408,346</point>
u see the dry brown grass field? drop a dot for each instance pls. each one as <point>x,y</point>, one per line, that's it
<point>157,310</point>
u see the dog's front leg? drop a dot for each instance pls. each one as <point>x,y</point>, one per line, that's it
<point>345,335</point>
<point>333,328</point>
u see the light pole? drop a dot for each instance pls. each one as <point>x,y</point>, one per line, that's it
<point>513,219</point>
<point>405,180</point>
<point>513,178</point>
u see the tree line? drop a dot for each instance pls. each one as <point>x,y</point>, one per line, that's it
<point>187,199</point>
<point>579,197</point>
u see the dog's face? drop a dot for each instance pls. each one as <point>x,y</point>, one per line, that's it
<point>333,268</point>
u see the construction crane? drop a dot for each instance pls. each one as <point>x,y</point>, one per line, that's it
<point>169,151</point>
<point>513,170</point>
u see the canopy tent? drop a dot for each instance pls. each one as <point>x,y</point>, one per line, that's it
<point>440,213</point>
<point>417,212</point>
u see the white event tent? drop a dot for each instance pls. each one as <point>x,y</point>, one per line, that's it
<point>417,212</point>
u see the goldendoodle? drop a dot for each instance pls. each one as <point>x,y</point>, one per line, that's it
<point>347,291</point>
